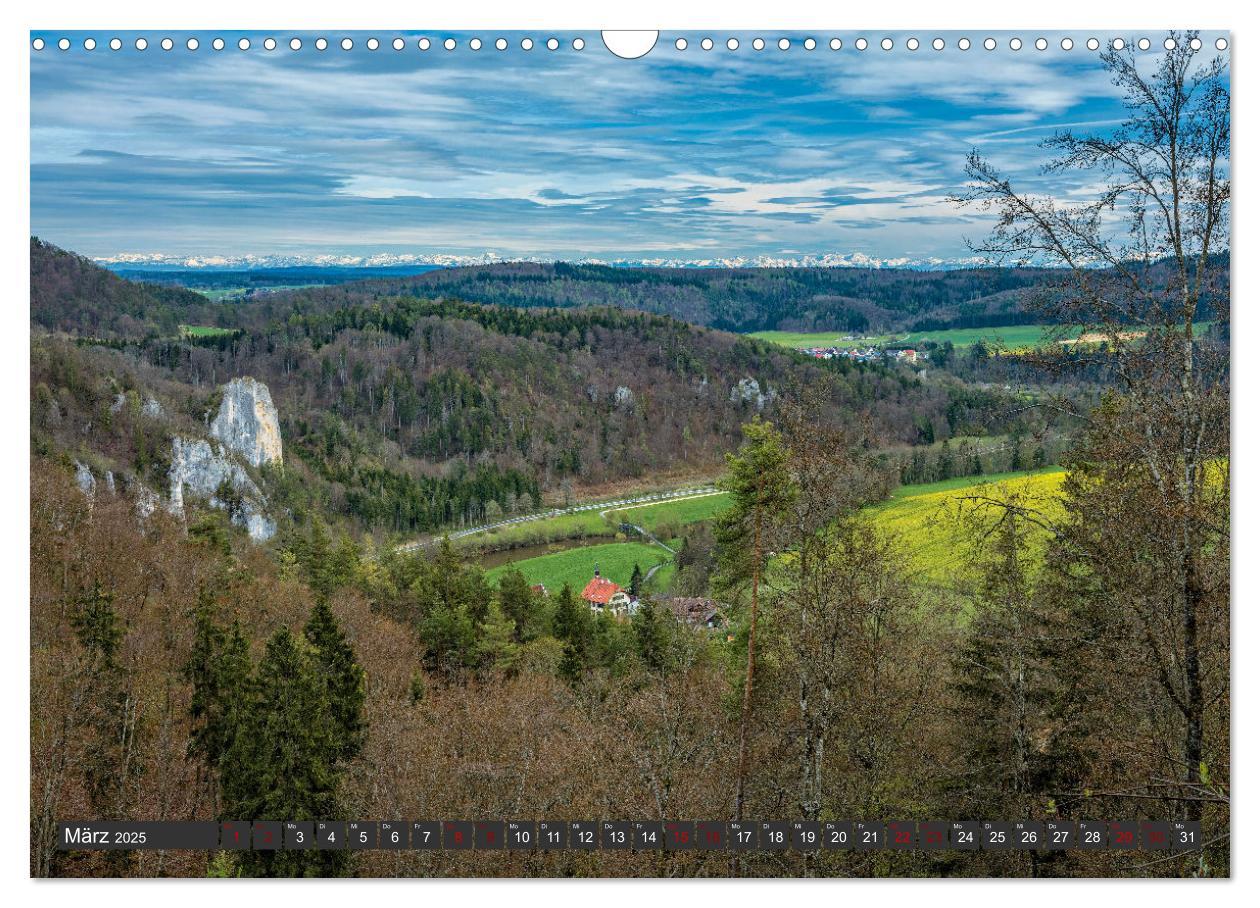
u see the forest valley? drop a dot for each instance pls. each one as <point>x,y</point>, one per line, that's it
<point>1077,667</point>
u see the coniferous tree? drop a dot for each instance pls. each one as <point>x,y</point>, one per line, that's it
<point>760,490</point>
<point>343,677</point>
<point>636,581</point>
<point>651,636</point>
<point>283,762</point>
<point>519,603</point>
<point>571,625</point>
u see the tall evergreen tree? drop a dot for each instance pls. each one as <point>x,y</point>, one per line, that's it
<point>636,581</point>
<point>760,490</point>
<point>651,636</point>
<point>343,677</point>
<point>519,603</point>
<point>283,762</point>
<point>571,625</point>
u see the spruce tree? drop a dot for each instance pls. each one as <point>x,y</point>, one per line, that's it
<point>519,603</point>
<point>571,625</point>
<point>283,760</point>
<point>636,581</point>
<point>651,636</point>
<point>343,677</point>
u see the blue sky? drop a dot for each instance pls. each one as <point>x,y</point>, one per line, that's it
<point>565,154</point>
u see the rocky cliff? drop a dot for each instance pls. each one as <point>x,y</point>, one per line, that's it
<point>207,471</point>
<point>247,422</point>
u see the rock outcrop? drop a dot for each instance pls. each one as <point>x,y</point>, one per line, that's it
<point>247,422</point>
<point>207,471</point>
<point>84,479</point>
<point>748,390</point>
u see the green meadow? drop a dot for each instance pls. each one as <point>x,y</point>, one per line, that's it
<point>576,566</point>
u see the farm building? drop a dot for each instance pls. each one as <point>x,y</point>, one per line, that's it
<point>696,611</point>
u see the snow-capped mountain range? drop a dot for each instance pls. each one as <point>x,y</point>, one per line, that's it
<point>157,260</point>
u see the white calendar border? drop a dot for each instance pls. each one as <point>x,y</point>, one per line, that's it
<point>982,15</point>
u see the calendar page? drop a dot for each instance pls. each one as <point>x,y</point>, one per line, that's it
<point>600,454</point>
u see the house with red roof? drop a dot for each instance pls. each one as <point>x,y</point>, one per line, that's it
<point>601,594</point>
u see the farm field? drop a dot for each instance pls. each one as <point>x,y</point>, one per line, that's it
<point>671,515</point>
<point>1009,337</point>
<point>575,566</point>
<point>927,519</point>
<point>1012,336</point>
<point>925,516</point>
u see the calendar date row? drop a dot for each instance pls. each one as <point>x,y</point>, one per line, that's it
<point>613,835</point>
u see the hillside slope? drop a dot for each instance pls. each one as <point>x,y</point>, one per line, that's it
<point>406,414</point>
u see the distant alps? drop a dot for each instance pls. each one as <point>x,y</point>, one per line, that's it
<point>161,261</point>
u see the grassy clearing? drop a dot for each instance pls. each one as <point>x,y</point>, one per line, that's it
<point>671,515</point>
<point>576,566</point>
<point>667,515</point>
<point>204,331</point>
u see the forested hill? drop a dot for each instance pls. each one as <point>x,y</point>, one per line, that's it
<point>409,413</point>
<point>74,295</point>
<point>742,300</point>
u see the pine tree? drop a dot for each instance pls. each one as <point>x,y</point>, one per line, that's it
<point>497,647</point>
<point>111,764</point>
<point>343,677</point>
<point>219,669</point>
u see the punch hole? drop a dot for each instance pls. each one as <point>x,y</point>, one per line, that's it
<point>629,45</point>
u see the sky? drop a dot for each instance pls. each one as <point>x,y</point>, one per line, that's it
<point>688,155</point>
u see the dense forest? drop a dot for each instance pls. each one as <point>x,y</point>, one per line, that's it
<point>406,414</point>
<point>745,299</point>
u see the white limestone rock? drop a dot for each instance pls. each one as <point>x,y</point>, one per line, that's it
<point>84,479</point>
<point>247,422</point>
<point>748,390</point>
<point>200,469</point>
